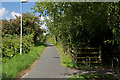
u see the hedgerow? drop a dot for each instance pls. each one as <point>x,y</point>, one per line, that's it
<point>11,45</point>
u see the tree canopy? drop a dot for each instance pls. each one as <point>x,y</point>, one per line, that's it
<point>77,24</point>
<point>31,24</point>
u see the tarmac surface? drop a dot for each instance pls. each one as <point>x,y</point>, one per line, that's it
<point>48,66</point>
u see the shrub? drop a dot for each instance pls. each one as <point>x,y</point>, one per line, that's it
<point>11,45</point>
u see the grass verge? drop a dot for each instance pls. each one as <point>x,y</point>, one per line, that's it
<point>12,67</point>
<point>66,60</point>
<point>93,77</point>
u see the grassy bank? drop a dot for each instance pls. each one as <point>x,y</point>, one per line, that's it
<point>12,67</point>
<point>66,60</point>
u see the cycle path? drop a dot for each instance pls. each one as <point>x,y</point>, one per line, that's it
<point>48,66</point>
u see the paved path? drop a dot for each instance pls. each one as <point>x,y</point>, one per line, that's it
<point>48,66</point>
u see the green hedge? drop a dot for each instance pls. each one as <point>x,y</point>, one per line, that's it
<point>11,45</point>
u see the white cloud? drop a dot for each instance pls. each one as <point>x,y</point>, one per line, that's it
<point>3,12</point>
<point>14,14</point>
<point>7,18</point>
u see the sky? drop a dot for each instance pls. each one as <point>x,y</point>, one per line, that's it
<point>16,0</point>
<point>63,0</point>
<point>10,9</point>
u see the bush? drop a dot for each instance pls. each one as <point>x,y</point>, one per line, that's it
<point>11,45</point>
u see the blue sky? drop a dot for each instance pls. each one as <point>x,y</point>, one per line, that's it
<point>9,9</point>
<point>17,0</point>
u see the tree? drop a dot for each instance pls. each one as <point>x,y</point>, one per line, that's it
<point>114,22</point>
<point>31,24</point>
<point>82,24</point>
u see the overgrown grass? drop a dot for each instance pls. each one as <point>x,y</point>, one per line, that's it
<point>12,67</point>
<point>66,60</point>
<point>93,77</point>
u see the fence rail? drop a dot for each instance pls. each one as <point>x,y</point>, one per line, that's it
<point>94,54</point>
